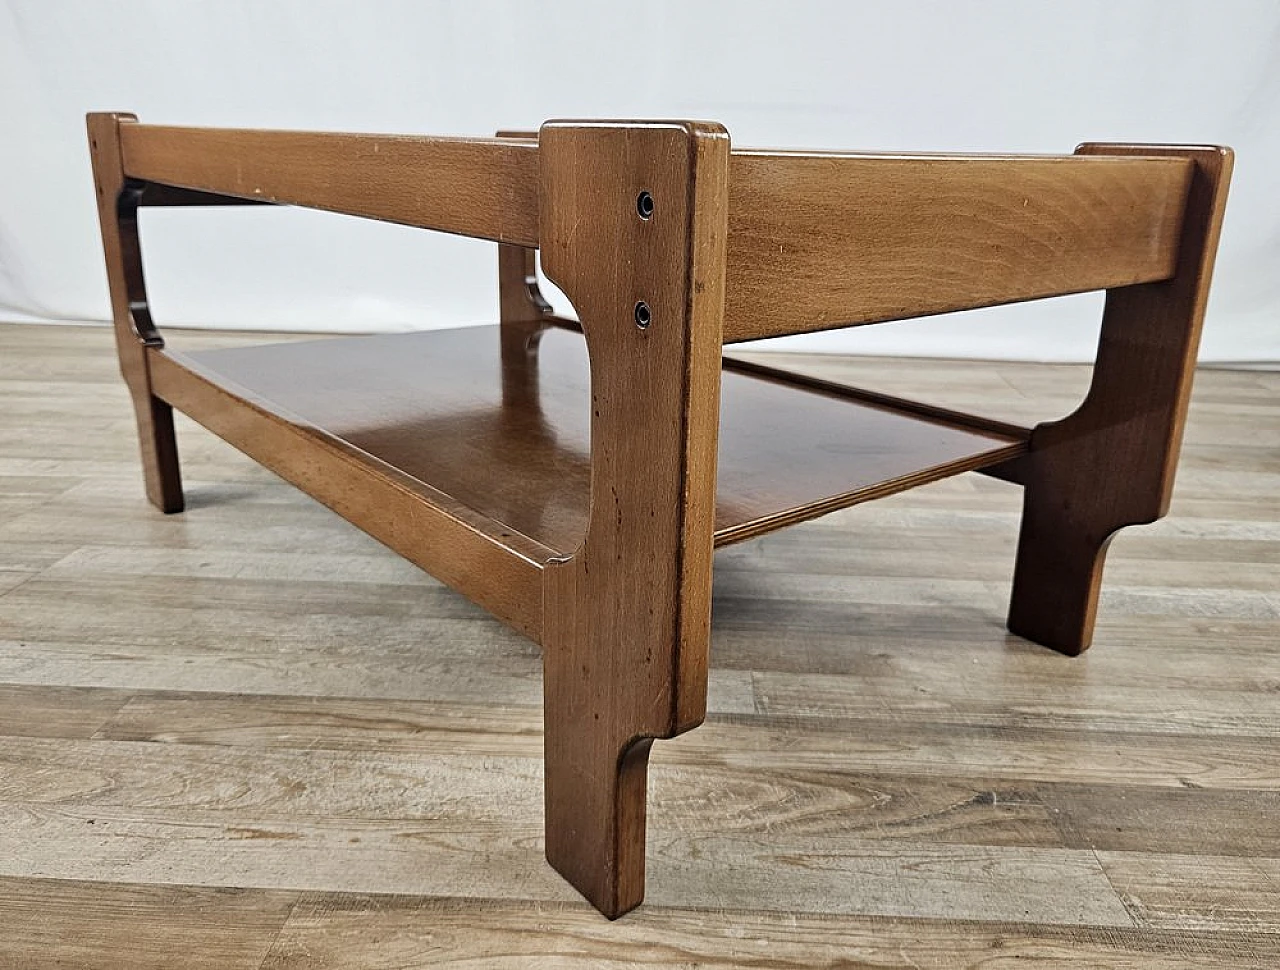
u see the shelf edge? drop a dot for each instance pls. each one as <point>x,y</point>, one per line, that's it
<point>974,423</point>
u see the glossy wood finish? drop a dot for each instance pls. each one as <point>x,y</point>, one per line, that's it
<point>253,737</point>
<point>510,438</point>
<point>118,217</point>
<point>477,187</point>
<point>584,511</point>
<point>522,310</point>
<point>498,569</point>
<point>1111,463</point>
<point>819,240</point>
<point>889,402</point>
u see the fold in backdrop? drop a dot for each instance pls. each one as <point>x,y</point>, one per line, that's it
<point>910,75</point>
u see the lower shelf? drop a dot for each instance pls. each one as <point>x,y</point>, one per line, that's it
<point>512,443</point>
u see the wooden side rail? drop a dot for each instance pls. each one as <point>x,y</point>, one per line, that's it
<point>927,234</point>
<point>818,241</point>
<point>480,187</point>
<point>821,240</point>
<point>956,419</point>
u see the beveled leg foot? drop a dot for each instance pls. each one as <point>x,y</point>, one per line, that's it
<point>1057,577</point>
<point>595,822</point>
<point>159,446</point>
<point>1111,463</point>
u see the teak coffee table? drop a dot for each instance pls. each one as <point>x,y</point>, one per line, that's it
<point>575,478</point>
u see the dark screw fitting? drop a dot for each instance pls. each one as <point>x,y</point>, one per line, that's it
<point>643,316</point>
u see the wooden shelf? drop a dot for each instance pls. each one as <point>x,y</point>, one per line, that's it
<point>511,443</point>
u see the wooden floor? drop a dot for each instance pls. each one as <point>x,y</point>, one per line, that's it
<point>250,737</point>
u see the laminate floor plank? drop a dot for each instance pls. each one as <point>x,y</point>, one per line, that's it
<point>56,712</point>
<point>1180,822</point>
<point>1197,891</point>
<point>352,932</point>
<point>249,736</point>
<point>55,924</point>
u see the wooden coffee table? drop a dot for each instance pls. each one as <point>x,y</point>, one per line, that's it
<point>574,478</point>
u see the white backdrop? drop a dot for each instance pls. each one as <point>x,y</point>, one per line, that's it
<point>1016,75</point>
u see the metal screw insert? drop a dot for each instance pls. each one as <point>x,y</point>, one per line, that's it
<point>644,205</point>
<point>643,316</point>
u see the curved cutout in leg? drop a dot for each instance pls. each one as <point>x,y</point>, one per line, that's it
<point>628,615</point>
<point>118,202</point>
<point>1111,463</point>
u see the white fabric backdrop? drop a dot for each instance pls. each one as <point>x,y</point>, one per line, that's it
<point>1015,75</point>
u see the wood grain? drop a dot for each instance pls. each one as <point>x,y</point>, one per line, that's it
<point>324,929</point>
<point>471,186</point>
<point>501,571</point>
<point>638,223</point>
<point>507,433</point>
<point>134,329</point>
<point>56,712</point>
<point>821,240</point>
<point>1197,891</point>
<point>52,923</point>
<point>1191,821</point>
<point>1111,463</point>
<point>1006,228</point>
<point>628,614</point>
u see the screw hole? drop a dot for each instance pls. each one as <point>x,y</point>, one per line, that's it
<point>643,316</point>
<point>644,205</point>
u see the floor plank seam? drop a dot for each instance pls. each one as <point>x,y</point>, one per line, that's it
<point>270,950</point>
<point>1120,897</point>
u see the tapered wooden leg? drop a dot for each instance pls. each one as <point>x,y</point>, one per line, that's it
<point>594,787</point>
<point>596,824</point>
<point>1057,576</point>
<point>161,472</point>
<point>118,202</point>
<point>1111,463</point>
<point>627,616</point>
<point>618,671</point>
<point>614,679</point>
